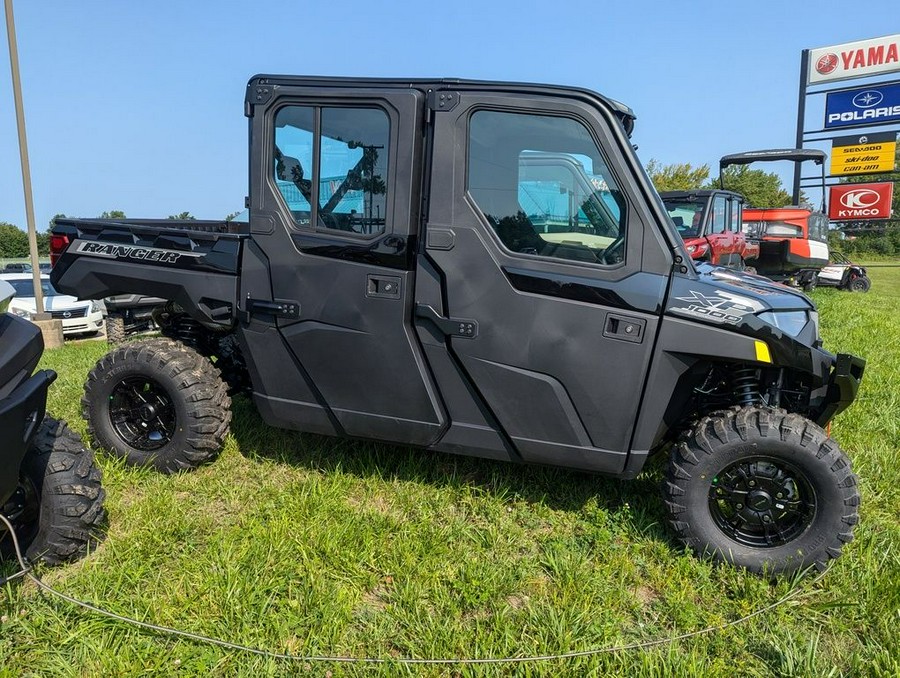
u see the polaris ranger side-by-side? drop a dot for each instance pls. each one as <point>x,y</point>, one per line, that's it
<point>50,488</point>
<point>480,268</point>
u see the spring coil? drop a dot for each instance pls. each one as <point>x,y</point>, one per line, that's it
<point>185,329</point>
<point>745,387</point>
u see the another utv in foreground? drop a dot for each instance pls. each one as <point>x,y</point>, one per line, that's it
<point>396,282</point>
<point>49,485</point>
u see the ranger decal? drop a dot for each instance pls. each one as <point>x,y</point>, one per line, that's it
<point>117,251</point>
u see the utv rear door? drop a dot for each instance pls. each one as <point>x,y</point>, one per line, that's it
<point>336,189</point>
<point>546,295</point>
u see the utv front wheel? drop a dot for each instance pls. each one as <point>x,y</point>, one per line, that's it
<point>115,329</point>
<point>860,283</point>
<point>762,489</point>
<point>157,403</point>
<point>57,510</point>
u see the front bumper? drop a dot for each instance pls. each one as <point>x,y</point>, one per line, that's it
<point>843,385</point>
<point>21,413</point>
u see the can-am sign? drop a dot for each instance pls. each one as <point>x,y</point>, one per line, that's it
<point>849,202</point>
<point>854,60</point>
<point>863,106</point>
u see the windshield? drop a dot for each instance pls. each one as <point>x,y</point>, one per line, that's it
<point>25,288</point>
<point>687,215</point>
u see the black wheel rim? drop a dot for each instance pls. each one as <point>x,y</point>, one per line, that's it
<point>23,510</point>
<point>142,413</point>
<point>762,502</point>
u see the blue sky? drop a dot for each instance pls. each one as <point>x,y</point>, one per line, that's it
<point>138,105</point>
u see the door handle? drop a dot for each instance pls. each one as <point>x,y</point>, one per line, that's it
<point>624,328</point>
<point>452,327</point>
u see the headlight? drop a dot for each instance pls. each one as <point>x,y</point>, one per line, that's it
<point>22,313</point>
<point>96,305</point>
<point>789,322</point>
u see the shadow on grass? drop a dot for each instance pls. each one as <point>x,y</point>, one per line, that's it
<point>557,488</point>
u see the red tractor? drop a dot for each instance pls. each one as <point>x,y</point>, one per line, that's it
<point>709,222</point>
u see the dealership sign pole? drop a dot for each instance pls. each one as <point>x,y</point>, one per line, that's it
<point>23,156</point>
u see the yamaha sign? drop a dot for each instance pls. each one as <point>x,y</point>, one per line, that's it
<point>850,202</point>
<point>854,60</point>
<point>863,106</point>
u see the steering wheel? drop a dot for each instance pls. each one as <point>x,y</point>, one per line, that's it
<point>615,253</point>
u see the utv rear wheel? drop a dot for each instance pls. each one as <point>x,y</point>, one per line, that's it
<point>57,511</point>
<point>157,403</point>
<point>762,489</point>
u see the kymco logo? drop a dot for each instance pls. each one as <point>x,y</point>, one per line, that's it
<point>860,199</point>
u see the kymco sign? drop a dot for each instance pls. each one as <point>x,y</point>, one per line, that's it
<point>849,202</point>
<point>854,59</point>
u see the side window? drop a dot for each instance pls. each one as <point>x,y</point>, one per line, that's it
<point>734,221</point>
<point>718,220</point>
<point>346,189</point>
<point>544,187</point>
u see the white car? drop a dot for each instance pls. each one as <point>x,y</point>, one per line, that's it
<point>78,317</point>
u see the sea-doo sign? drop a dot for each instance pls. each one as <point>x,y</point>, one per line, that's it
<point>854,60</point>
<point>864,153</point>
<point>850,202</point>
<point>863,106</point>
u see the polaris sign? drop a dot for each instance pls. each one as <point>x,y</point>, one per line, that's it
<point>863,106</point>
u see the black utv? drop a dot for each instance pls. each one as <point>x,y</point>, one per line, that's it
<point>478,268</point>
<point>50,490</point>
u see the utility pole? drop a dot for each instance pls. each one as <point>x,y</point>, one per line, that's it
<point>52,331</point>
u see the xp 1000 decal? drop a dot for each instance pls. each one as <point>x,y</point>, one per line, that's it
<point>722,307</point>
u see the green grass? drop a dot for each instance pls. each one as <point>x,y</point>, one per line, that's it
<point>311,545</point>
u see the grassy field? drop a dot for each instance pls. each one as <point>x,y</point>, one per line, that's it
<point>309,545</point>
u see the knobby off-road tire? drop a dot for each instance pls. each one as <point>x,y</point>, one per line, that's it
<point>860,284</point>
<point>762,489</point>
<point>157,403</point>
<point>115,329</point>
<point>63,513</point>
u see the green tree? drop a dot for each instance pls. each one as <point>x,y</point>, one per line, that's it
<point>182,216</point>
<point>113,214</point>
<point>759,188</point>
<point>230,216</point>
<point>678,176</point>
<point>13,241</point>
<point>43,244</point>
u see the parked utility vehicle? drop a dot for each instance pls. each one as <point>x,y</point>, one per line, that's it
<point>390,285</point>
<point>710,223</point>
<point>793,240</point>
<point>49,485</point>
<point>844,274</point>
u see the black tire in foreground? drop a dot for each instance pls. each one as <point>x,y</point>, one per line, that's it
<point>157,403</point>
<point>57,511</point>
<point>115,329</point>
<point>762,489</point>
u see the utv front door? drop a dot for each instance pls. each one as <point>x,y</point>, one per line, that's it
<point>551,278</point>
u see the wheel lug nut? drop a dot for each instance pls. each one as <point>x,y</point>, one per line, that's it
<point>752,483</point>
<point>739,506</point>
<point>779,495</point>
<point>766,519</point>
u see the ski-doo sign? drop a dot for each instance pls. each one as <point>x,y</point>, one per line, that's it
<point>854,60</point>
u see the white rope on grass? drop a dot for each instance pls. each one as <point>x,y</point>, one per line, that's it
<point>610,649</point>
